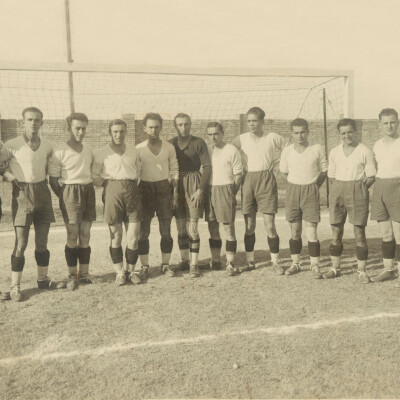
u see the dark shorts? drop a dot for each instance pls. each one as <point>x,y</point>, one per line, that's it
<point>348,198</point>
<point>32,204</point>
<point>386,200</point>
<point>188,183</point>
<point>121,202</point>
<point>156,197</point>
<point>302,203</point>
<point>259,193</point>
<point>78,203</point>
<point>220,204</point>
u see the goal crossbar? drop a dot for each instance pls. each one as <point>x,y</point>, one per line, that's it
<point>172,70</point>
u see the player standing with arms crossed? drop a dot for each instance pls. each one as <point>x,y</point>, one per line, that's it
<point>71,181</point>
<point>116,167</point>
<point>386,194</point>
<point>158,190</point>
<point>220,207</point>
<point>305,168</point>
<point>192,153</point>
<point>31,199</point>
<point>351,172</point>
<point>260,153</point>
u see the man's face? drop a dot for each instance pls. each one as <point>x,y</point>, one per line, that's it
<point>389,125</point>
<point>118,133</point>
<point>183,126</point>
<point>348,135</point>
<point>300,135</point>
<point>77,130</point>
<point>254,124</point>
<point>153,129</point>
<point>215,136</point>
<point>32,122</point>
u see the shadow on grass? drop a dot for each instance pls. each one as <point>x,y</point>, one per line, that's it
<point>348,262</point>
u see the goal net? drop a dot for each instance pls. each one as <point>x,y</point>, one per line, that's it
<point>202,94</point>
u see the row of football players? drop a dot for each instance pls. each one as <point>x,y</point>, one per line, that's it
<point>171,184</point>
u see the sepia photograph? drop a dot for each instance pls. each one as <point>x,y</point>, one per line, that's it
<point>199,199</point>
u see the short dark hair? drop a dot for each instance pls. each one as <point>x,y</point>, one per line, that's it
<point>76,116</point>
<point>388,111</point>
<point>153,117</point>
<point>182,115</point>
<point>347,122</point>
<point>217,125</point>
<point>116,122</point>
<point>32,109</point>
<point>299,122</point>
<point>257,111</point>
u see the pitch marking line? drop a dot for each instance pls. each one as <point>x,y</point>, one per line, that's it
<point>282,330</point>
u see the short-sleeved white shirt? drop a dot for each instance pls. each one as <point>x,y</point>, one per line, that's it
<point>70,166</point>
<point>226,163</point>
<point>27,165</point>
<point>387,156</point>
<point>260,153</point>
<point>303,168</point>
<point>107,164</point>
<point>155,168</point>
<point>354,167</point>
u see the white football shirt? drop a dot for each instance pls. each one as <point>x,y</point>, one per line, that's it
<point>360,163</point>
<point>303,168</point>
<point>226,163</point>
<point>260,153</point>
<point>27,165</point>
<point>387,156</point>
<point>107,164</point>
<point>155,168</point>
<point>70,166</point>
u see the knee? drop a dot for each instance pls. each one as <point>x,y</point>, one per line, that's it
<point>270,229</point>
<point>213,229</point>
<point>311,232</point>
<point>296,233</point>
<point>84,239</point>
<point>115,239</point>
<point>193,230</point>
<point>250,227</point>
<point>230,232</point>
<point>361,240</point>
<point>165,230</point>
<point>387,236</point>
<point>72,237</point>
<point>20,248</point>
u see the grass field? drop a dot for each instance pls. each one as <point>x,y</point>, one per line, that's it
<point>256,335</point>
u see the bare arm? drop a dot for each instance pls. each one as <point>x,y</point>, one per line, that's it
<point>321,178</point>
<point>55,186</point>
<point>370,181</point>
<point>237,181</point>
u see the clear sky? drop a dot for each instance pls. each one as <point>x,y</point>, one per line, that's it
<point>362,35</point>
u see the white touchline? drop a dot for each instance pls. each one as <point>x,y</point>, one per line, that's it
<point>280,330</point>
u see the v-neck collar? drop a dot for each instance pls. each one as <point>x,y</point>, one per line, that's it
<point>122,154</point>
<point>155,155</point>
<point>29,147</point>
<point>351,152</point>
<point>187,144</point>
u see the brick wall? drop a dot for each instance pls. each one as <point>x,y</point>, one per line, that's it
<point>97,134</point>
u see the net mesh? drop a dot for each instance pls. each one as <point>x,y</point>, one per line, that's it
<point>106,95</point>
